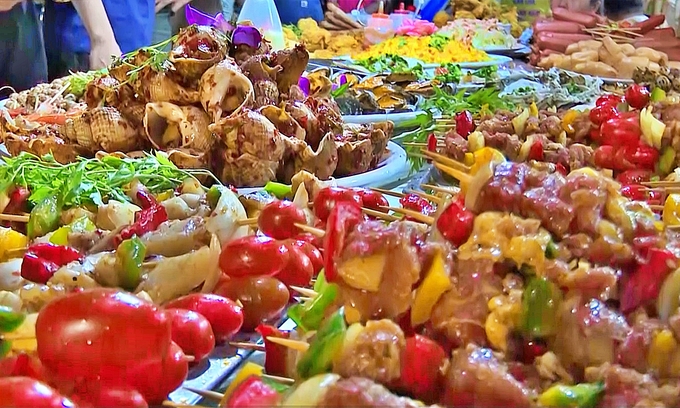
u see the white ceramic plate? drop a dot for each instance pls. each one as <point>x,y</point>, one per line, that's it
<point>396,118</point>
<point>393,167</point>
<point>494,60</point>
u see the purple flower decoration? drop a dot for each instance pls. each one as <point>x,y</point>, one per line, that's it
<point>247,35</point>
<point>341,80</point>
<point>200,18</point>
<point>304,85</point>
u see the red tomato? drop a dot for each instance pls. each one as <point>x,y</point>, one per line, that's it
<point>420,367</point>
<point>253,255</point>
<point>373,199</point>
<point>603,157</point>
<point>278,218</point>
<point>608,99</point>
<point>601,114</point>
<point>299,270</point>
<point>28,392</point>
<point>312,253</point>
<point>327,197</point>
<point>192,332</point>
<point>161,377</point>
<point>100,333</point>
<point>98,395</point>
<point>634,177</point>
<point>224,315</point>
<point>637,96</point>
<point>316,242</point>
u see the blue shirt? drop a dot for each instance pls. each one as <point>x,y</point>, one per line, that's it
<point>290,11</point>
<point>132,22</point>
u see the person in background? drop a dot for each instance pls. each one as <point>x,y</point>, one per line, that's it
<point>291,11</point>
<point>631,11</point>
<point>22,50</point>
<point>85,34</point>
<point>369,6</point>
<point>170,16</point>
<point>578,5</point>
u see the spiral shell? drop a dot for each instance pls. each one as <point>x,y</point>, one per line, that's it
<point>664,83</point>
<point>170,126</point>
<point>225,90</point>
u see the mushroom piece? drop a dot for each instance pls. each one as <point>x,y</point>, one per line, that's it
<point>225,90</point>
<point>170,126</point>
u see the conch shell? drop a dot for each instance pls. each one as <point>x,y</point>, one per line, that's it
<point>196,49</point>
<point>103,128</point>
<point>283,121</point>
<point>224,89</point>
<point>170,126</point>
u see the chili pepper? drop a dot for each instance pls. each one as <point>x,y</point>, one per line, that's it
<point>275,354</point>
<point>640,156</point>
<point>637,96</point>
<point>420,367</point>
<point>603,156</point>
<point>536,151</point>
<point>609,99</point>
<point>10,320</point>
<point>328,342</point>
<point>146,220</point>
<point>416,203</point>
<point>60,255</point>
<point>584,395</point>
<point>539,307</point>
<point>342,218</point>
<point>600,114</point>
<point>44,218</point>
<point>432,142</point>
<point>559,167</point>
<point>213,196</point>
<point>60,236</point>
<point>465,123</point>
<point>666,162</point>
<point>5,347</point>
<point>18,200</point>
<point>634,177</point>
<point>435,284</point>
<point>11,240</point>
<point>310,315</point>
<point>130,255</point>
<point>645,282</point>
<point>254,392</point>
<point>145,199</point>
<point>620,131</point>
<point>36,269</point>
<point>455,223</point>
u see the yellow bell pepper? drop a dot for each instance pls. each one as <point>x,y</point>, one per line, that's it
<point>469,159</point>
<point>584,395</point>
<point>533,110</point>
<point>476,141</point>
<point>671,210</point>
<point>248,370</point>
<point>25,335</point>
<point>435,284</point>
<point>11,240</point>
<point>526,250</point>
<point>505,314</point>
<point>484,156</point>
<point>165,195</point>
<point>568,120</point>
<point>661,350</point>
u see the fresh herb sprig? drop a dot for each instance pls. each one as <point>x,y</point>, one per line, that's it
<point>438,41</point>
<point>485,99</point>
<point>157,58</point>
<point>77,81</point>
<point>390,63</point>
<point>91,181</point>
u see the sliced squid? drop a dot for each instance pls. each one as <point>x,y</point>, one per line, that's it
<point>224,219</point>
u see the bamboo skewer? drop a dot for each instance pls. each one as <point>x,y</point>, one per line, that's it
<point>211,395</point>
<point>440,189</point>
<point>282,380</point>
<point>440,158</point>
<point>247,222</point>
<point>426,196</point>
<point>314,231</point>
<point>426,219</point>
<point>246,346</point>
<point>457,174</point>
<point>293,344</point>
<point>380,215</point>
<point>387,192</point>
<point>304,291</point>
<point>14,218</point>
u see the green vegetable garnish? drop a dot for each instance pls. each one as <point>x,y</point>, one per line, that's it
<point>78,81</point>
<point>278,190</point>
<point>438,41</point>
<point>390,63</point>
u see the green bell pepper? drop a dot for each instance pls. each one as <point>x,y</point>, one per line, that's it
<point>320,283</point>
<point>309,315</point>
<point>130,255</point>
<point>551,250</point>
<point>666,162</point>
<point>10,320</point>
<point>327,343</point>
<point>213,196</point>
<point>60,236</point>
<point>278,190</point>
<point>657,95</point>
<point>5,348</point>
<point>44,218</point>
<point>584,395</point>
<point>540,301</point>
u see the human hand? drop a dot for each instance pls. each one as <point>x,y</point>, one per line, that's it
<point>176,5</point>
<point>101,53</point>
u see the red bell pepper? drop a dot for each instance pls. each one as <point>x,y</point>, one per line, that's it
<point>416,203</point>
<point>559,167</point>
<point>420,367</point>
<point>644,284</point>
<point>146,220</point>
<point>432,142</point>
<point>536,151</point>
<point>621,131</point>
<point>253,392</point>
<point>636,157</point>
<point>275,354</point>
<point>634,177</point>
<point>342,219</point>
<point>609,99</point>
<point>59,254</point>
<point>600,114</point>
<point>603,157</point>
<point>455,223</point>
<point>41,261</point>
<point>145,199</point>
<point>465,123</point>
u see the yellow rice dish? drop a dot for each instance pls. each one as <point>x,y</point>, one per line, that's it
<point>430,49</point>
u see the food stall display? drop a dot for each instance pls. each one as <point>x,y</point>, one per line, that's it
<point>482,34</point>
<point>488,9</point>
<point>321,42</point>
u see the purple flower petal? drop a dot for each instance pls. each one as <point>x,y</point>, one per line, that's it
<point>222,24</point>
<point>247,35</point>
<point>343,79</point>
<point>304,85</point>
<point>197,17</point>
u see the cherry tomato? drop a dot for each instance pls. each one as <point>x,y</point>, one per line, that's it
<point>373,200</point>
<point>161,377</point>
<point>312,253</point>
<point>634,177</point>
<point>100,333</point>
<point>316,242</point>
<point>608,99</point>
<point>420,367</point>
<point>98,395</point>
<point>192,332</point>
<point>299,270</point>
<point>327,197</point>
<point>22,365</point>
<point>637,157</point>
<point>603,157</point>
<point>253,255</point>
<point>263,298</point>
<point>600,114</point>
<point>28,392</point>
<point>224,315</point>
<point>637,96</point>
<point>278,218</point>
